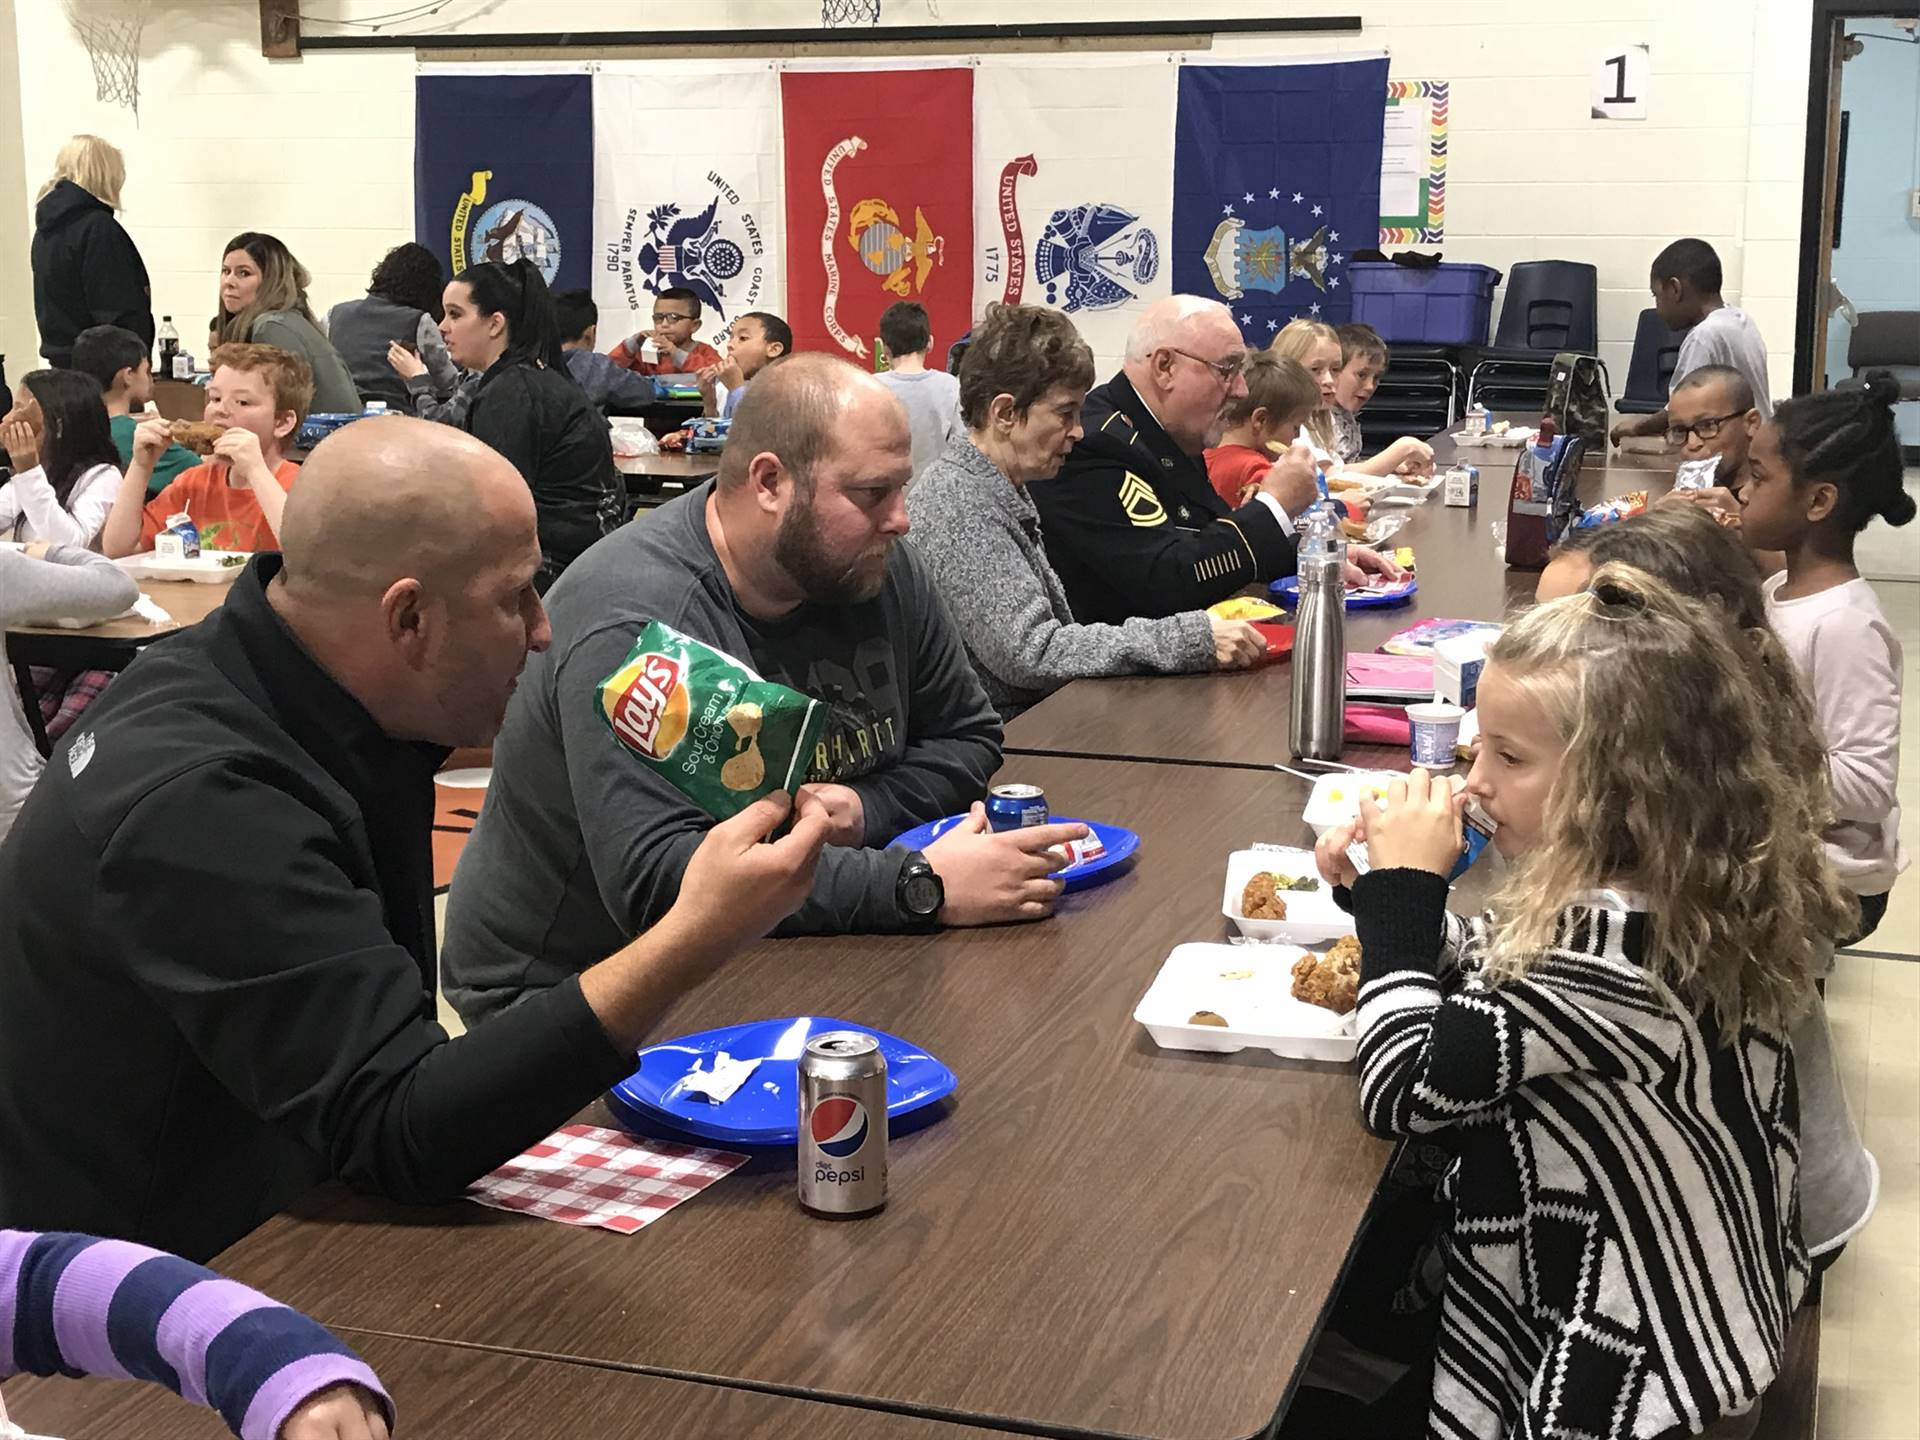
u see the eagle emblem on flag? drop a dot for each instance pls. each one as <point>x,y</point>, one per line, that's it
<point>1240,258</point>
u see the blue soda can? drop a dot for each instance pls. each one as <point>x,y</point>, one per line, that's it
<point>1014,807</point>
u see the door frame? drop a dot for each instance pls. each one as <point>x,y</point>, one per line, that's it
<point>1822,175</point>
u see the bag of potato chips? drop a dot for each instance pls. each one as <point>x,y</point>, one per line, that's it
<point>713,728</point>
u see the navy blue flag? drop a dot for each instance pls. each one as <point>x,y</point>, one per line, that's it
<point>1276,180</point>
<point>503,168</point>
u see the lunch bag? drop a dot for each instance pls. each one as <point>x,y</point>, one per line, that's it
<point>1579,396</point>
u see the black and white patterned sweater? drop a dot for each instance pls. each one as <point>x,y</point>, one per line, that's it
<point>1625,1254</point>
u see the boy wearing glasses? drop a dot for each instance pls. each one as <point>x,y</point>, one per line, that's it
<point>1685,282</point>
<point>676,316</point>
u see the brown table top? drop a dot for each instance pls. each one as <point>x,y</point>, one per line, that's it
<point>188,603</point>
<point>1241,718</point>
<point>449,1392</point>
<point>1097,1236</point>
<point>671,466</point>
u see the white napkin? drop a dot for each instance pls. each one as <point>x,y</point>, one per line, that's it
<point>717,1083</point>
<point>149,610</point>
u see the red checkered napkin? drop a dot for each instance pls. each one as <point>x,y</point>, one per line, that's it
<point>589,1175</point>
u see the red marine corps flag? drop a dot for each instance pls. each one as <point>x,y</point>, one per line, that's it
<point>879,179</point>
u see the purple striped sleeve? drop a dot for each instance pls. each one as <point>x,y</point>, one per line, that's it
<point>274,1401</point>
<point>81,1302</point>
<point>13,1249</point>
<point>194,1321</point>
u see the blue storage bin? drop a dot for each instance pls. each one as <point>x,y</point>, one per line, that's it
<point>1447,305</point>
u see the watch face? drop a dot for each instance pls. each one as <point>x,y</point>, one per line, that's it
<point>923,892</point>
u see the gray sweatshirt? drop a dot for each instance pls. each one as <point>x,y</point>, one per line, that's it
<point>70,584</point>
<point>580,846</point>
<point>979,534</point>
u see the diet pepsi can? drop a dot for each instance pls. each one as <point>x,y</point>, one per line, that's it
<point>843,1124</point>
<point>1014,807</point>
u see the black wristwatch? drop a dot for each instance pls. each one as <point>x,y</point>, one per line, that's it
<point>919,889</point>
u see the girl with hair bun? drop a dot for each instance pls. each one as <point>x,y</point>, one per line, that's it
<point>1819,472</point>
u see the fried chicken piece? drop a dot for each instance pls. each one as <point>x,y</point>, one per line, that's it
<point>199,436</point>
<point>1331,980</point>
<point>1261,899</point>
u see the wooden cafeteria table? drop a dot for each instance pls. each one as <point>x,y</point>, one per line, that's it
<point>110,645</point>
<point>655,479</point>
<point>1097,1237</point>
<point>1241,718</point>
<point>452,1392</point>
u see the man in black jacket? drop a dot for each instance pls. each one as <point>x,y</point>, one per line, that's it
<point>86,271</point>
<point>1132,525</point>
<point>216,913</point>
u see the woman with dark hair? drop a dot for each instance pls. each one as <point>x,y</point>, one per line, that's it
<point>1022,383</point>
<point>499,323</point>
<point>65,468</point>
<point>263,301</point>
<point>401,307</point>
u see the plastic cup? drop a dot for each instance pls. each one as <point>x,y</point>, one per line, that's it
<point>1436,730</point>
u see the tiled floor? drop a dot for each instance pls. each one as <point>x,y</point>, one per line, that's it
<point>1870,1326</point>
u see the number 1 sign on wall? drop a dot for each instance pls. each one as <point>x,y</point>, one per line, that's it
<point>1622,74</point>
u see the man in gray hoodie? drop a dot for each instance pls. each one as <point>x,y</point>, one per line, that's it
<point>789,562</point>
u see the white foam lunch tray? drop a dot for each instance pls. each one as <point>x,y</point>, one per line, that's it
<point>1251,988</point>
<point>207,568</point>
<point>1313,916</point>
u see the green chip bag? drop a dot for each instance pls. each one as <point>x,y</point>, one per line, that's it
<point>707,723</point>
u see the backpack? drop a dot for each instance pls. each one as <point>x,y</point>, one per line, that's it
<point>1579,396</point>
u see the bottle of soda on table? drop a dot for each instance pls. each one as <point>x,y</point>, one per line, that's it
<point>169,341</point>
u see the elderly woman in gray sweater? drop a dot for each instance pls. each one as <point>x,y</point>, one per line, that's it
<point>1021,387</point>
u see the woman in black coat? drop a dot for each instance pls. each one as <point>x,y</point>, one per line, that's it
<point>86,270</point>
<point>499,322</point>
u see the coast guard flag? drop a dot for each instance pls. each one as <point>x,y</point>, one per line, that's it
<point>1276,179</point>
<point>879,177</point>
<point>703,214</point>
<point>1073,192</point>
<point>503,168</point>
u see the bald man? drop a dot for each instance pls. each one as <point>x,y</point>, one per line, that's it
<point>1132,524</point>
<point>216,918</point>
<point>790,562</point>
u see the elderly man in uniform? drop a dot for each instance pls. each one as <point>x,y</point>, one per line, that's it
<point>1132,525</point>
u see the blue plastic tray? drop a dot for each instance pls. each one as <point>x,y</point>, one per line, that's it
<point>766,1109</point>
<point>1121,844</point>
<point>1286,593</point>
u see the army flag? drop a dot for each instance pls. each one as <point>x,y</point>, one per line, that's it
<point>503,169</point>
<point>693,204</point>
<point>879,191</point>
<point>1073,191</point>
<point>1276,179</point>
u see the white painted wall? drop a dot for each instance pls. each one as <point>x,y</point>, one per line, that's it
<point>320,150</point>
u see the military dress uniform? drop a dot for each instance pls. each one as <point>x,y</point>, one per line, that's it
<point>1133,527</point>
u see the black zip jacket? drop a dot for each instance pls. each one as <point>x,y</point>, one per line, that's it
<point>217,961</point>
<point>1134,528</point>
<point>86,272</point>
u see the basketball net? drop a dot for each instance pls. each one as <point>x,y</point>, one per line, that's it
<point>110,29</point>
<point>835,13</point>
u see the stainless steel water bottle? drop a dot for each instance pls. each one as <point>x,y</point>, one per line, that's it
<point>1318,721</point>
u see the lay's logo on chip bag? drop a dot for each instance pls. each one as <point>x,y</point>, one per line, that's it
<point>707,724</point>
<point>647,704</point>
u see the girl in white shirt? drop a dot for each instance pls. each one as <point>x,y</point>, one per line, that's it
<point>65,468</point>
<point>1817,473</point>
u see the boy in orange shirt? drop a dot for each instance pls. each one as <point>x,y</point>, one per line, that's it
<point>676,315</point>
<point>1280,397</point>
<point>260,394</point>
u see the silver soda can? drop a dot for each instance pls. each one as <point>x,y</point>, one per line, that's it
<point>843,1124</point>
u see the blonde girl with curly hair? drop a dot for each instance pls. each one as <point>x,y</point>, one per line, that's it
<point>1605,1053</point>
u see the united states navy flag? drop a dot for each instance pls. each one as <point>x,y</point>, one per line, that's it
<point>503,169</point>
<point>1276,179</point>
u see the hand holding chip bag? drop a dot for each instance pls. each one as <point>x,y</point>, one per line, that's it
<point>707,723</point>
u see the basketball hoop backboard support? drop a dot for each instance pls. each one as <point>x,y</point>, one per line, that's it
<point>280,29</point>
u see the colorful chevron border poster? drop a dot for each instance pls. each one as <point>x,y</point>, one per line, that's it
<point>1429,226</point>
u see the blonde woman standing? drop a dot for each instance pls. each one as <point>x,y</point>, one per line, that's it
<point>86,268</point>
<point>263,301</point>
